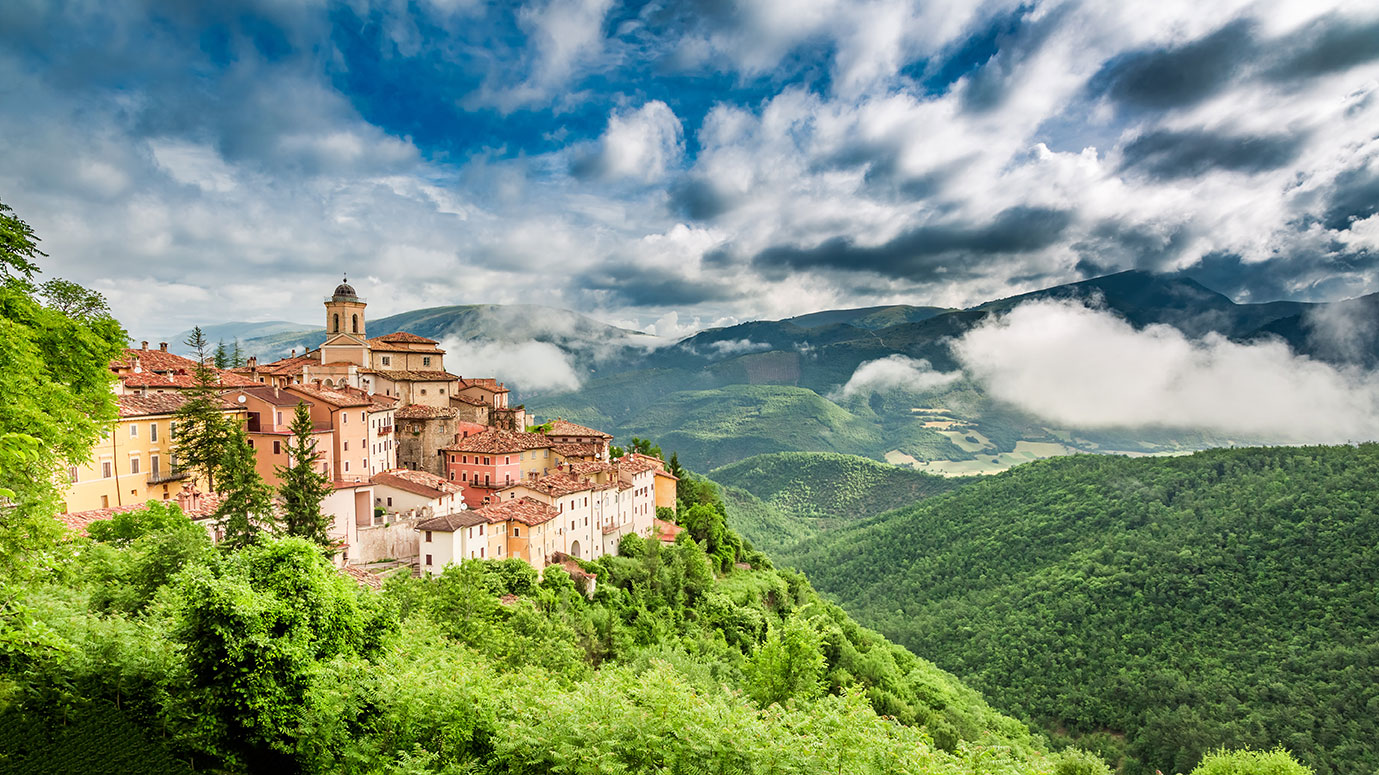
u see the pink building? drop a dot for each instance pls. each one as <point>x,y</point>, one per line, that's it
<point>483,463</point>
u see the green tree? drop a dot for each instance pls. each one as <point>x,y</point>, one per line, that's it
<point>247,508</point>
<point>236,354</point>
<point>55,377</point>
<point>790,664</point>
<point>201,433</point>
<point>302,487</point>
<point>221,356</point>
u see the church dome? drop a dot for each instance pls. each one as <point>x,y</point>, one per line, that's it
<point>345,289</point>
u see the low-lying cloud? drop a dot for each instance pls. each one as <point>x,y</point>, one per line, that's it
<point>728,347</point>
<point>1081,367</point>
<point>896,372</point>
<point>530,366</point>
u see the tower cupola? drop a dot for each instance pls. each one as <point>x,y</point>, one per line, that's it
<point>345,311</point>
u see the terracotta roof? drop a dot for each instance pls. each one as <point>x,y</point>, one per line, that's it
<point>497,441</point>
<point>449,523</point>
<point>588,467</point>
<point>159,403</point>
<point>182,381</point>
<point>401,375</point>
<point>289,365</point>
<point>483,383</point>
<point>158,368</point>
<point>471,400</point>
<point>272,395</point>
<point>419,482</point>
<point>528,511</point>
<point>381,402</point>
<point>585,449</point>
<point>401,337</point>
<point>153,360</point>
<point>561,427</point>
<point>633,465</point>
<point>666,530</point>
<point>78,521</point>
<point>331,397</point>
<point>560,484</point>
<point>667,474</point>
<point>423,412</point>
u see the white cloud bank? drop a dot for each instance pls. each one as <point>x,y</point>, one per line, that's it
<point>896,372</point>
<point>1087,368</point>
<point>531,366</point>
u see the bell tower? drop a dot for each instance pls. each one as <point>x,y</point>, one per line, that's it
<point>345,312</point>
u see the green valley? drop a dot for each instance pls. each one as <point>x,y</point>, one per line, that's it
<point>1151,609</point>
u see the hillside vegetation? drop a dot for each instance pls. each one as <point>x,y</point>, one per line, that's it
<point>1150,608</point>
<point>150,650</point>
<point>813,491</point>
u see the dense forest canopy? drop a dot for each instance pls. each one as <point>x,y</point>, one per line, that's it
<point>1151,609</point>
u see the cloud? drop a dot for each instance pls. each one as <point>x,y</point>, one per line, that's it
<point>728,347</point>
<point>896,372</point>
<point>1168,154</point>
<point>531,366</point>
<point>1160,78</point>
<point>641,144</point>
<point>1079,367</point>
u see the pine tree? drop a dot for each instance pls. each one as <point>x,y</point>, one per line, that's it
<point>303,488</point>
<point>201,432</point>
<point>222,358</point>
<point>247,508</point>
<point>236,355</point>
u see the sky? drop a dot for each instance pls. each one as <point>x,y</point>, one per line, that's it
<point>669,166</point>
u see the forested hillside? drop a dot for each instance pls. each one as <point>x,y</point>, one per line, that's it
<point>813,491</point>
<point>1152,608</point>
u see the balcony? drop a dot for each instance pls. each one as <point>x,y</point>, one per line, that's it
<point>173,475</point>
<point>385,430</point>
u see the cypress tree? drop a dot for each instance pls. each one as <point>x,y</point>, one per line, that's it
<point>222,358</point>
<point>247,508</point>
<point>303,488</point>
<point>201,432</point>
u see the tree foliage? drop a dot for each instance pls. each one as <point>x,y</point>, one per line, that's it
<point>246,508</point>
<point>1151,609</point>
<point>201,433</point>
<point>302,487</point>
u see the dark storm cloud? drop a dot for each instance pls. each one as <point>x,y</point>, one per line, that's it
<point>1308,276</point>
<point>993,82</point>
<point>1355,196</point>
<point>1166,78</point>
<point>1169,155</point>
<point>1330,44</point>
<point>923,250</point>
<point>640,286</point>
<point>1114,245</point>
<point>884,178</point>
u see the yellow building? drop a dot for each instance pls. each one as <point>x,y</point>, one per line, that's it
<point>133,464</point>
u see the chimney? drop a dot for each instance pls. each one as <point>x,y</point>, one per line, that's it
<point>253,361</point>
<point>163,346</point>
<point>294,353</point>
<point>144,345</point>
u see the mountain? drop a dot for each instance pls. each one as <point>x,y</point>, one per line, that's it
<point>587,344</point>
<point>960,431</point>
<point>228,332</point>
<point>796,495</point>
<point>1152,608</point>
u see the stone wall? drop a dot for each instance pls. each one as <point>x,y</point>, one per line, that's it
<point>395,540</point>
<point>419,443</point>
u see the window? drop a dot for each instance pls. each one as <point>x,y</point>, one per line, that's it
<point>344,418</point>
<point>428,558</point>
<point>355,319</point>
<point>361,417</point>
<point>386,360</point>
<point>133,431</point>
<point>72,473</point>
<point>481,553</point>
<point>134,464</point>
<point>423,391</point>
<point>428,532</point>
<point>335,323</point>
<point>105,501</point>
<point>277,447</point>
<point>347,446</point>
<point>153,431</point>
<point>426,361</point>
<point>428,536</point>
<point>347,465</point>
<point>153,467</point>
<point>105,470</point>
<point>481,529</point>
<point>280,418</point>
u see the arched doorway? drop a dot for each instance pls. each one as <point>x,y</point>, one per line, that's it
<point>574,549</point>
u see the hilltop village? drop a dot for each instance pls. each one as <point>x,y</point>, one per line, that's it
<point>426,467</point>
